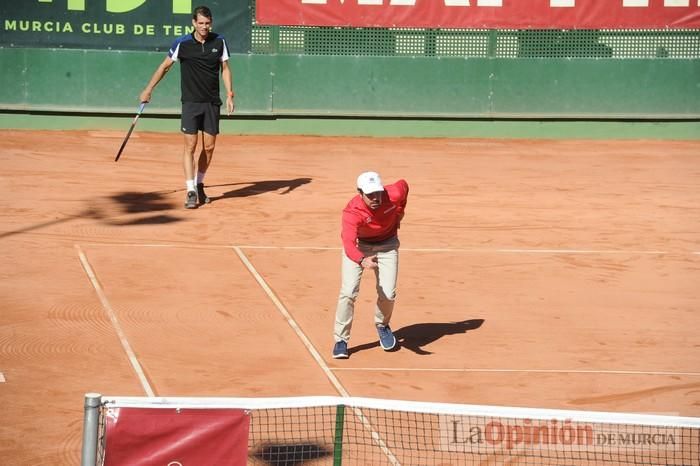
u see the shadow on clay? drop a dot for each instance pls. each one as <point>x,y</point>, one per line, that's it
<point>415,337</point>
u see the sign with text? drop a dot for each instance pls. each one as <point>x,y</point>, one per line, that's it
<point>511,438</point>
<point>500,14</point>
<point>116,24</point>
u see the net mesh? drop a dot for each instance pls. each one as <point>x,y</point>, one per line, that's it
<point>356,431</point>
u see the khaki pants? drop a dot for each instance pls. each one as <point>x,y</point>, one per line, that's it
<point>386,273</point>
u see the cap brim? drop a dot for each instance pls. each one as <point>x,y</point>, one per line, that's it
<point>372,189</point>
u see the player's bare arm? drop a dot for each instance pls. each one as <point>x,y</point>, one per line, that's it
<point>228,84</point>
<point>159,74</point>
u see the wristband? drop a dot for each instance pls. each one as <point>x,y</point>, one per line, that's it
<point>229,94</point>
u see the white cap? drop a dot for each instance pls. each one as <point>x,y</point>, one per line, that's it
<point>369,182</point>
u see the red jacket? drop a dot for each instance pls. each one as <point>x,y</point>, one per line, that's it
<point>361,222</point>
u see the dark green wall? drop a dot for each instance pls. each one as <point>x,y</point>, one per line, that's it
<point>268,85</point>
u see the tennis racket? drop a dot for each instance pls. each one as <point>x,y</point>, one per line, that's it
<point>133,124</point>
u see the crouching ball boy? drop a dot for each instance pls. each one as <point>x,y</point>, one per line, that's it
<point>370,225</point>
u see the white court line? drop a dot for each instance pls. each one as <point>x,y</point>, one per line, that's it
<point>292,323</point>
<point>526,371</point>
<point>576,251</point>
<point>160,245</point>
<point>315,354</point>
<point>477,250</point>
<point>115,323</point>
<point>298,248</point>
<point>564,251</point>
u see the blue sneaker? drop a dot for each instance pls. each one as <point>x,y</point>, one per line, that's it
<point>386,337</point>
<point>340,350</point>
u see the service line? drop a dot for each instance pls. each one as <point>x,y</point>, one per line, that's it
<point>457,250</point>
<point>526,371</point>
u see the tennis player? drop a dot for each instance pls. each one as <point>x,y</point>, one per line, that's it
<point>370,225</point>
<point>203,55</point>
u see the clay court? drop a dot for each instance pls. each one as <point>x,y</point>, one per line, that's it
<point>534,273</point>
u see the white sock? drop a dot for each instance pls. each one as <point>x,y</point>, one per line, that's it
<point>200,178</point>
<point>190,185</point>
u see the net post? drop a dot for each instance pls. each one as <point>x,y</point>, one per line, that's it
<point>91,422</point>
<point>338,440</point>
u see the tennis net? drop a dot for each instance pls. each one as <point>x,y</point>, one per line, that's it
<point>367,431</point>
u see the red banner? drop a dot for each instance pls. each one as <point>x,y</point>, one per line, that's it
<point>168,436</point>
<point>492,14</point>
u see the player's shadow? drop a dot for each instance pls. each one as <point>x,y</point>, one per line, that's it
<point>415,336</point>
<point>138,203</point>
<point>129,203</point>
<point>255,188</point>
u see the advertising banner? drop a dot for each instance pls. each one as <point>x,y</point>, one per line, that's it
<point>495,14</point>
<point>172,436</point>
<point>117,24</point>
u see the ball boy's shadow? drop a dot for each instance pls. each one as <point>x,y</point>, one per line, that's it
<point>415,336</point>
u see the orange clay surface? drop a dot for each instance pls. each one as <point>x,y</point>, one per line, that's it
<point>549,274</point>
